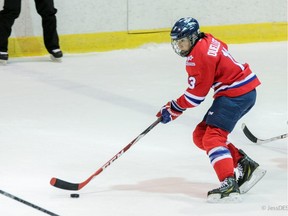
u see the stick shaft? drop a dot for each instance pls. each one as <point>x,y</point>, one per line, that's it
<point>77,186</point>
<point>27,203</point>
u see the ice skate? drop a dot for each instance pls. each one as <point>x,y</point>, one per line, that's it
<point>3,58</point>
<point>228,192</point>
<point>249,173</point>
<point>56,55</point>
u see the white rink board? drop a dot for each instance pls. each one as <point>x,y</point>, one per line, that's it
<point>93,16</point>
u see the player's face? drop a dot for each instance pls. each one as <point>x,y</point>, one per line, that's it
<point>184,44</point>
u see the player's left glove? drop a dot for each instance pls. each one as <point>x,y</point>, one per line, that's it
<point>170,111</point>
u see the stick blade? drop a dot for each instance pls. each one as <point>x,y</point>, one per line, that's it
<point>248,133</point>
<point>64,184</point>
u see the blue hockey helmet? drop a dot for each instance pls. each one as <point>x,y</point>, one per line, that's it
<point>184,28</point>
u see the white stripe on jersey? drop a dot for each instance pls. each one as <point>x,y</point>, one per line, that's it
<point>215,85</point>
<point>193,99</point>
<point>224,87</point>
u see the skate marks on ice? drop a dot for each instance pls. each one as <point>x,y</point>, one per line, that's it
<point>280,163</point>
<point>170,185</point>
<point>86,90</point>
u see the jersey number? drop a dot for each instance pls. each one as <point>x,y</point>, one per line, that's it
<point>227,54</point>
<point>192,82</point>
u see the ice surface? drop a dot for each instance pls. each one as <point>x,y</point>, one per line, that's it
<point>67,119</point>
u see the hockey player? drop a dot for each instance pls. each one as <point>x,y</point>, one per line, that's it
<point>46,10</point>
<point>210,65</point>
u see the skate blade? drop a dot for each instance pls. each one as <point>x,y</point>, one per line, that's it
<point>232,198</point>
<point>257,175</point>
<point>59,60</point>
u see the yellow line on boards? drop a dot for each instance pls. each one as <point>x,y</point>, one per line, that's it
<point>107,41</point>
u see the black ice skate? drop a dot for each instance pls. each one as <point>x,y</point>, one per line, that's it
<point>56,55</point>
<point>227,192</point>
<point>3,57</point>
<point>249,173</point>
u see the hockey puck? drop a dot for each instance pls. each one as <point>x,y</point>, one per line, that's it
<point>74,195</point>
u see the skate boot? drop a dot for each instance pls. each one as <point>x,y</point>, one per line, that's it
<point>3,57</point>
<point>56,55</point>
<point>227,192</point>
<point>249,173</point>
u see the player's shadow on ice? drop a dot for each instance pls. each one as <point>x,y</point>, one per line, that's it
<point>170,185</point>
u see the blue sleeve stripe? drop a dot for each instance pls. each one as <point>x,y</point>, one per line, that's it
<point>193,99</point>
<point>176,107</point>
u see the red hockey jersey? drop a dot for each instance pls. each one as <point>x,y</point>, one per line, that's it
<point>210,65</point>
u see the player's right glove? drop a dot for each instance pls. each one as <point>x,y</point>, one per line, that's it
<point>170,111</point>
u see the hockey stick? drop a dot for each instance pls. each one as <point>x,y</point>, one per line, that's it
<point>27,203</point>
<point>256,140</point>
<point>77,186</point>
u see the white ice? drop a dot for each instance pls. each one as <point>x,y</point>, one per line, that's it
<point>67,119</point>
